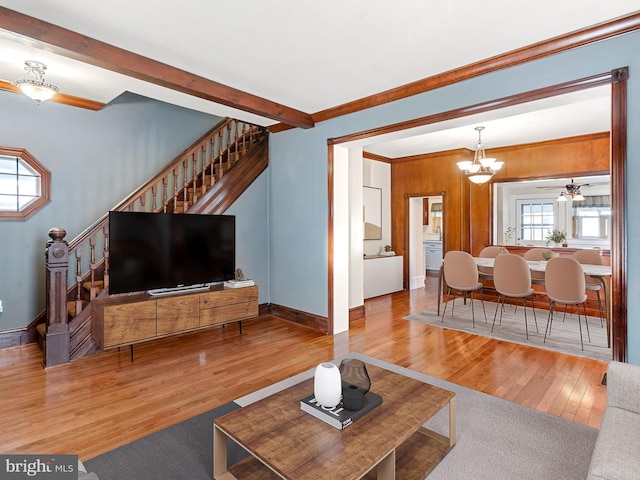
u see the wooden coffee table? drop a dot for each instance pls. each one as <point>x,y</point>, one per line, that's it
<point>285,442</point>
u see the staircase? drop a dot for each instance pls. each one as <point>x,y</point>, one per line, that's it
<point>206,178</point>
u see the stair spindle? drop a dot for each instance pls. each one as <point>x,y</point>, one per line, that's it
<point>221,145</point>
<point>244,139</point>
<point>92,256</point>
<point>185,184</point>
<point>165,195</point>
<point>78,302</point>
<point>154,200</point>
<point>194,177</point>
<point>203,173</point>
<point>175,189</point>
<point>212,159</point>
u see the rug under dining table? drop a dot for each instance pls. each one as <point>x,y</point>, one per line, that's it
<point>564,337</point>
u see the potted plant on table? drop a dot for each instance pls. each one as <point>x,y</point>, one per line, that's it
<point>556,236</point>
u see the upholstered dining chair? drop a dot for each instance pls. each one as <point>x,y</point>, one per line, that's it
<point>565,284</point>
<point>535,255</point>
<point>486,273</point>
<point>512,278</point>
<point>461,274</point>
<point>592,257</point>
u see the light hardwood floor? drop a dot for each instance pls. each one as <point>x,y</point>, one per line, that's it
<point>94,405</point>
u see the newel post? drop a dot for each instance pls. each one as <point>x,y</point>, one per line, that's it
<point>56,349</point>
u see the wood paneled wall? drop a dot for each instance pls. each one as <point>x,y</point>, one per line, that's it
<point>468,207</point>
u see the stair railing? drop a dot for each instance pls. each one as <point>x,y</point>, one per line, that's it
<point>180,184</point>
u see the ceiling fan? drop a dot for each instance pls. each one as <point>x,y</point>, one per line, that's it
<point>571,190</point>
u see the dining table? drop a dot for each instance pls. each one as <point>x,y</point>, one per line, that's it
<point>602,272</point>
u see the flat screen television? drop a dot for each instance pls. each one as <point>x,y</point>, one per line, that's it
<point>155,251</point>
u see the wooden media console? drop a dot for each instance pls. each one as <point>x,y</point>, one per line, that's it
<point>126,320</point>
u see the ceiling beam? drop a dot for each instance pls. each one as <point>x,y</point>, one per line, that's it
<point>47,36</point>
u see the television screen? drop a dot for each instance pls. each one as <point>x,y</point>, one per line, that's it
<point>150,251</point>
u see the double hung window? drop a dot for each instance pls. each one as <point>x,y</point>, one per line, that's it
<point>536,219</point>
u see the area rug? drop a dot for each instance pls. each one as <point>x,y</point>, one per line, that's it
<point>564,337</point>
<point>496,440</point>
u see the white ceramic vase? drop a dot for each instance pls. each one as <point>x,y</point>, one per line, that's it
<point>327,385</point>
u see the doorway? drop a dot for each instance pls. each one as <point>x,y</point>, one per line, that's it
<point>425,238</point>
<point>616,79</point>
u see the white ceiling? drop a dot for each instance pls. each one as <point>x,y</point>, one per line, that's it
<point>306,55</point>
<point>578,113</point>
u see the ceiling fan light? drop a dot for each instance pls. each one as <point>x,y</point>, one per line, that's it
<point>578,197</point>
<point>561,198</point>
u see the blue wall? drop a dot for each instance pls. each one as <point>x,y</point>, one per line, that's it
<point>298,163</point>
<point>252,242</point>
<point>96,159</point>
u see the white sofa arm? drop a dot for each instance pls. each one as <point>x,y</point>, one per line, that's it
<point>623,386</point>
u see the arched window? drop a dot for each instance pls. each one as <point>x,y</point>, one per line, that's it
<point>24,184</point>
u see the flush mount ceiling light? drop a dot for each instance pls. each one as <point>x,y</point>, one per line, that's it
<point>33,84</point>
<point>482,168</point>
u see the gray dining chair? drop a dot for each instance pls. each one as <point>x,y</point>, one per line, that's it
<point>565,284</point>
<point>535,255</point>
<point>512,278</point>
<point>593,284</point>
<point>486,273</point>
<point>461,274</point>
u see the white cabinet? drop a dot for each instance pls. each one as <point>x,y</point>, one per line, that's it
<point>382,275</point>
<point>432,255</point>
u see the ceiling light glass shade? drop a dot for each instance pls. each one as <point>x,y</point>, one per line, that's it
<point>35,87</point>
<point>36,91</point>
<point>482,168</point>
<point>487,161</point>
<point>578,197</point>
<point>561,198</point>
<point>479,178</point>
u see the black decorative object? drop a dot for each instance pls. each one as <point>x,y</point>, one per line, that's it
<point>355,383</point>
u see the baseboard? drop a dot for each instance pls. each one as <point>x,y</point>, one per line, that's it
<point>15,338</point>
<point>356,313</point>
<point>303,318</point>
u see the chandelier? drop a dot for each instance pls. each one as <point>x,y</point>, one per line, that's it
<point>34,86</point>
<point>482,168</point>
